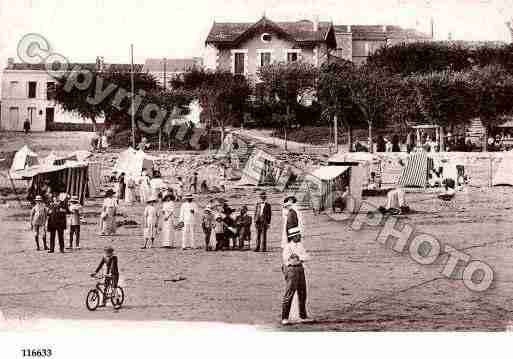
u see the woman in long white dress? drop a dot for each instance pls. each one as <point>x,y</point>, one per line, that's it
<point>168,222</point>
<point>144,188</point>
<point>108,216</point>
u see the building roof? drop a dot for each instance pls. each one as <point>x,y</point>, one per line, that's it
<point>230,33</point>
<point>380,32</point>
<point>172,65</point>
<point>89,66</point>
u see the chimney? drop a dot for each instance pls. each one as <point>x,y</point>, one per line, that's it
<point>384,28</point>
<point>348,28</point>
<point>316,23</point>
<point>10,62</point>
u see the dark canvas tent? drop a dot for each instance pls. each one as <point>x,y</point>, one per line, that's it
<point>72,177</point>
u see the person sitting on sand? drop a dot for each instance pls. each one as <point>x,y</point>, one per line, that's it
<point>395,202</point>
<point>449,191</point>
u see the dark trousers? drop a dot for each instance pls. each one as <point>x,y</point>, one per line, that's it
<point>60,236</point>
<point>262,237</point>
<point>295,281</point>
<point>74,229</point>
<point>219,241</point>
<point>207,232</point>
<point>244,236</point>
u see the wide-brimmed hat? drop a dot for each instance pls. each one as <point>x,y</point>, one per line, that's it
<point>151,200</point>
<point>263,195</point>
<point>290,199</point>
<point>188,196</point>
<point>109,192</point>
<point>108,249</point>
<point>39,199</point>
<point>74,199</point>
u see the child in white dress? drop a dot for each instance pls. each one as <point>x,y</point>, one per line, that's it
<point>150,223</point>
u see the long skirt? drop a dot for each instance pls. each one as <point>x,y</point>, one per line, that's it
<point>167,235</point>
<point>130,195</point>
<point>109,222</point>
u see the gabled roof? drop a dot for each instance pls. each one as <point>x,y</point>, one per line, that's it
<point>172,65</point>
<point>229,34</point>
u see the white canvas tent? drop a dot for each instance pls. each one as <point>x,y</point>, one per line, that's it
<point>132,162</point>
<point>504,173</point>
<point>24,158</point>
<point>262,168</point>
<point>326,181</point>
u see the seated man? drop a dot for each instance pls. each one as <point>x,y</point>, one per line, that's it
<point>435,180</point>
<point>340,200</point>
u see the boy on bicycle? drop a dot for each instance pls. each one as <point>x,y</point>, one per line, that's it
<point>111,269</point>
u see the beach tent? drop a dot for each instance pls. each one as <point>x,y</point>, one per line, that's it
<point>72,175</point>
<point>326,181</point>
<point>368,163</point>
<point>132,162</point>
<point>504,172</point>
<point>261,169</point>
<point>416,171</point>
<point>94,178</point>
<point>24,158</point>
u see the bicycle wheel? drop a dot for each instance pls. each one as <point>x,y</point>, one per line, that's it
<point>118,298</point>
<point>93,299</point>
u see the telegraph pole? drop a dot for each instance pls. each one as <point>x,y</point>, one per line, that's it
<point>133,92</point>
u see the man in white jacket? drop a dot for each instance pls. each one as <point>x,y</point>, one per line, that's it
<point>188,215</point>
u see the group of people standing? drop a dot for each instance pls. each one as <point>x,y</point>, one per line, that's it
<point>53,218</point>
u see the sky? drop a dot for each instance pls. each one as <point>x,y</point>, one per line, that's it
<point>84,29</point>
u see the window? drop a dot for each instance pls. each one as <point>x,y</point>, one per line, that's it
<point>31,113</point>
<point>239,66</point>
<point>50,90</point>
<point>266,37</point>
<point>13,88</point>
<point>292,56</point>
<point>265,58</point>
<point>32,89</point>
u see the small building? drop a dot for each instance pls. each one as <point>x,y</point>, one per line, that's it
<point>27,91</point>
<point>163,70</point>
<point>357,42</point>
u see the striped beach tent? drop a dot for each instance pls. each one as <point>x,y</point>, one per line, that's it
<point>416,171</point>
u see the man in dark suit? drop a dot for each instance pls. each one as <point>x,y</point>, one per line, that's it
<point>262,219</point>
<point>57,222</point>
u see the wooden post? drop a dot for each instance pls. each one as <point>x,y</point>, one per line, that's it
<point>490,173</point>
<point>335,129</point>
<point>160,139</point>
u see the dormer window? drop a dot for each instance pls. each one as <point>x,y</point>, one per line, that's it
<point>266,37</point>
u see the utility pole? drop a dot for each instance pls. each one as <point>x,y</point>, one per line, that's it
<point>335,130</point>
<point>164,86</point>
<point>133,92</point>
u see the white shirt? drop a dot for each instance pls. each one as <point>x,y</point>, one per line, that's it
<point>294,248</point>
<point>186,214</point>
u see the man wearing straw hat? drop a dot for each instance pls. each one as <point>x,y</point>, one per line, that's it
<point>38,217</point>
<point>188,214</point>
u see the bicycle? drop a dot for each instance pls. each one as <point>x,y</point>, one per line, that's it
<point>104,291</point>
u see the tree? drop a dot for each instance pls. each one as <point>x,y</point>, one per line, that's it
<point>335,96</point>
<point>92,94</point>
<point>372,92</point>
<point>285,85</point>
<point>221,94</point>
<point>427,57</point>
